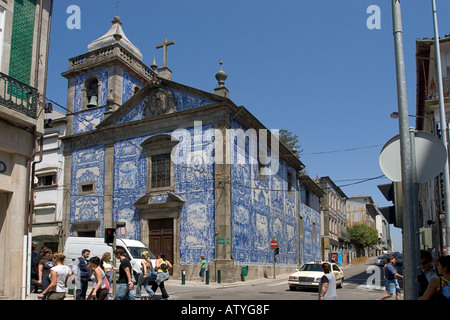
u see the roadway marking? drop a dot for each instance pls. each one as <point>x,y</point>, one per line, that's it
<point>277,284</point>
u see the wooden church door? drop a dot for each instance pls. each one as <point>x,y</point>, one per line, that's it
<point>161,237</point>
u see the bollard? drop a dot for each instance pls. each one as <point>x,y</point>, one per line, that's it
<point>207,276</point>
<point>183,277</point>
<point>218,276</point>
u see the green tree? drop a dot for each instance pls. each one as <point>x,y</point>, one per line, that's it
<point>290,140</point>
<point>362,236</point>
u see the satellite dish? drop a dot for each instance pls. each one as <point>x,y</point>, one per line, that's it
<point>430,155</point>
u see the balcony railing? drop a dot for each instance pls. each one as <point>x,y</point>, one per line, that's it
<point>18,96</point>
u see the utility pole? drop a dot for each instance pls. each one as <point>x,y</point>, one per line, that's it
<point>410,202</point>
<point>443,124</point>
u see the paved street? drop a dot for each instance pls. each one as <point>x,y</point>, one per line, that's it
<point>362,282</point>
<point>356,287</point>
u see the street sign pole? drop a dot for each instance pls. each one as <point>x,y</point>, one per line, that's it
<point>274,263</point>
<point>274,246</point>
<point>114,261</point>
<point>410,202</point>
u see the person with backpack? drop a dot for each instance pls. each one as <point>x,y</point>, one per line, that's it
<point>36,258</point>
<point>162,268</point>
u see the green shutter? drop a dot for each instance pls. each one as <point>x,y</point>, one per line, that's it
<point>22,40</point>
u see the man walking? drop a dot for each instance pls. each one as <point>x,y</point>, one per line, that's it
<point>124,283</point>
<point>391,283</point>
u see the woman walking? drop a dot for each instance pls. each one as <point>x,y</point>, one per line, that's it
<point>162,268</point>
<point>100,290</point>
<point>45,264</point>
<point>145,276</point>
<point>58,276</point>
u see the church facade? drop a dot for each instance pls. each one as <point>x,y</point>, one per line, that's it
<point>190,173</point>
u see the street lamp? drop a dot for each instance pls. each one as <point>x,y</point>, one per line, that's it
<point>395,115</point>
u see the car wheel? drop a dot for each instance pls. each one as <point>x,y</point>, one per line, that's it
<point>340,283</point>
<point>292,288</point>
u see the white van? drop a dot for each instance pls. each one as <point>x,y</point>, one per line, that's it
<point>97,246</point>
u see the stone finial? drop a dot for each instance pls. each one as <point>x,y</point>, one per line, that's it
<point>154,66</point>
<point>221,76</point>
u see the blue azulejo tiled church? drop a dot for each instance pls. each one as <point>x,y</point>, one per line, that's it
<point>190,173</point>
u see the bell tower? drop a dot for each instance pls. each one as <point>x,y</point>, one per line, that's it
<point>102,79</point>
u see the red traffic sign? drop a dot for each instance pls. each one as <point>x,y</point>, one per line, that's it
<point>273,244</point>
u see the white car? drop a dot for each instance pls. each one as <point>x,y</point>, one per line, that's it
<point>310,274</point>
<point>380,259</point>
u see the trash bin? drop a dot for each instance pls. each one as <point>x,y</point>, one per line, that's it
<point>244,271</point>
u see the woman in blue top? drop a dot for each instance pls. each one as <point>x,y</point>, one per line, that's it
<point>391,283</point>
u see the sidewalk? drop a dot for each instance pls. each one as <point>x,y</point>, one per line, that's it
<point>175,287</point>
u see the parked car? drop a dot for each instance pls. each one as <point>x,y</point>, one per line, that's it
<point>380,259</point>
<point>310,273</point>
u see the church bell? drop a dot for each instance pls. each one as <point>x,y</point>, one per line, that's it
<point>92,102</point>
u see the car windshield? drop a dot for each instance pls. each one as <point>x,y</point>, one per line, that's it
<point>136,252</point>
<point>311,267</point>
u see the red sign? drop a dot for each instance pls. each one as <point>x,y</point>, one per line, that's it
<point>273,244</point>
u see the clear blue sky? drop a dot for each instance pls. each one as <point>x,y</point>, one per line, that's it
<point>312,67</point>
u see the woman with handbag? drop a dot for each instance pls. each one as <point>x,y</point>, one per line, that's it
<point>100,290</point>
<point>145,276</point>
<point>162,268</point>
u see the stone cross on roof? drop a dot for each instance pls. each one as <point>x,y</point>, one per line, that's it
<point>164,45</point>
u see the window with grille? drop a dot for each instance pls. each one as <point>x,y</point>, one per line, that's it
<point>160,170</point>
<point>86,188</point>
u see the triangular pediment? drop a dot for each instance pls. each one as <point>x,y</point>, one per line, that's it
<point>159,98</point>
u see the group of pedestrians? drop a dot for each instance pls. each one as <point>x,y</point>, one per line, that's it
<point>52,275</point>
<point>433,280</point>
